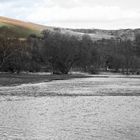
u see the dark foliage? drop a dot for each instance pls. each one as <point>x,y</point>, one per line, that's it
<point>59,53</point>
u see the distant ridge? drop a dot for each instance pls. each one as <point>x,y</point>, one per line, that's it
<point>24,24</point>
<point>26,28</point>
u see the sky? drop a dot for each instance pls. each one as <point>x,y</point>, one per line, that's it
<point>103,14</point>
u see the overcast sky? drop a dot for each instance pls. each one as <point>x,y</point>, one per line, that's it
<point>105,14</point>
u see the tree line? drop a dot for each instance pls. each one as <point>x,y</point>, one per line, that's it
<point>59,53</point>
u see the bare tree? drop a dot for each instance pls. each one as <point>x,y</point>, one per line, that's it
<point>60,50</point>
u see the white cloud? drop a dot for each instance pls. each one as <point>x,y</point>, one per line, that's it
<point>74,13</point>
<point>84,15</point>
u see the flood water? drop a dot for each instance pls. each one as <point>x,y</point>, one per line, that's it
<point>70,118</point>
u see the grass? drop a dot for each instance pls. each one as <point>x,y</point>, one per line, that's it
<point>21,32</point>
<point>7,79</point>
<point>44,84</point>
<point>21,28</point>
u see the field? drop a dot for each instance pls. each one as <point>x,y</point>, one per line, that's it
<point>77,85</point>
<point>69,107</point>
<point>7,79</point>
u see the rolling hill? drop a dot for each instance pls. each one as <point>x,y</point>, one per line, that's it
<point>24,29</point>
<point>21,28</point>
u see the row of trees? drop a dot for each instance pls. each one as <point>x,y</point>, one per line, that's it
<point>58,52</point>
<point>63,51</point>
<point>120,55</point>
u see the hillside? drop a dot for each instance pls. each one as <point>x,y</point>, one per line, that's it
<point>21,28</point>
<point>24,29</point>
<point>121,33</point>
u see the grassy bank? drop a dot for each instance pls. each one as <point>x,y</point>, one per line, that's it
<point>7,79</point>
<point>59,85</point>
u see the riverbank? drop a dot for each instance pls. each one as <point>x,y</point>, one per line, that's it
<point>74,85</point>
<point>7,79</point>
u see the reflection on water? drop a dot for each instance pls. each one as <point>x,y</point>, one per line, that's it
<point>70,118</point>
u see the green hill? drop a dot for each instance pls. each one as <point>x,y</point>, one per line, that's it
<point>23,29</point>
<point>20,28</point>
